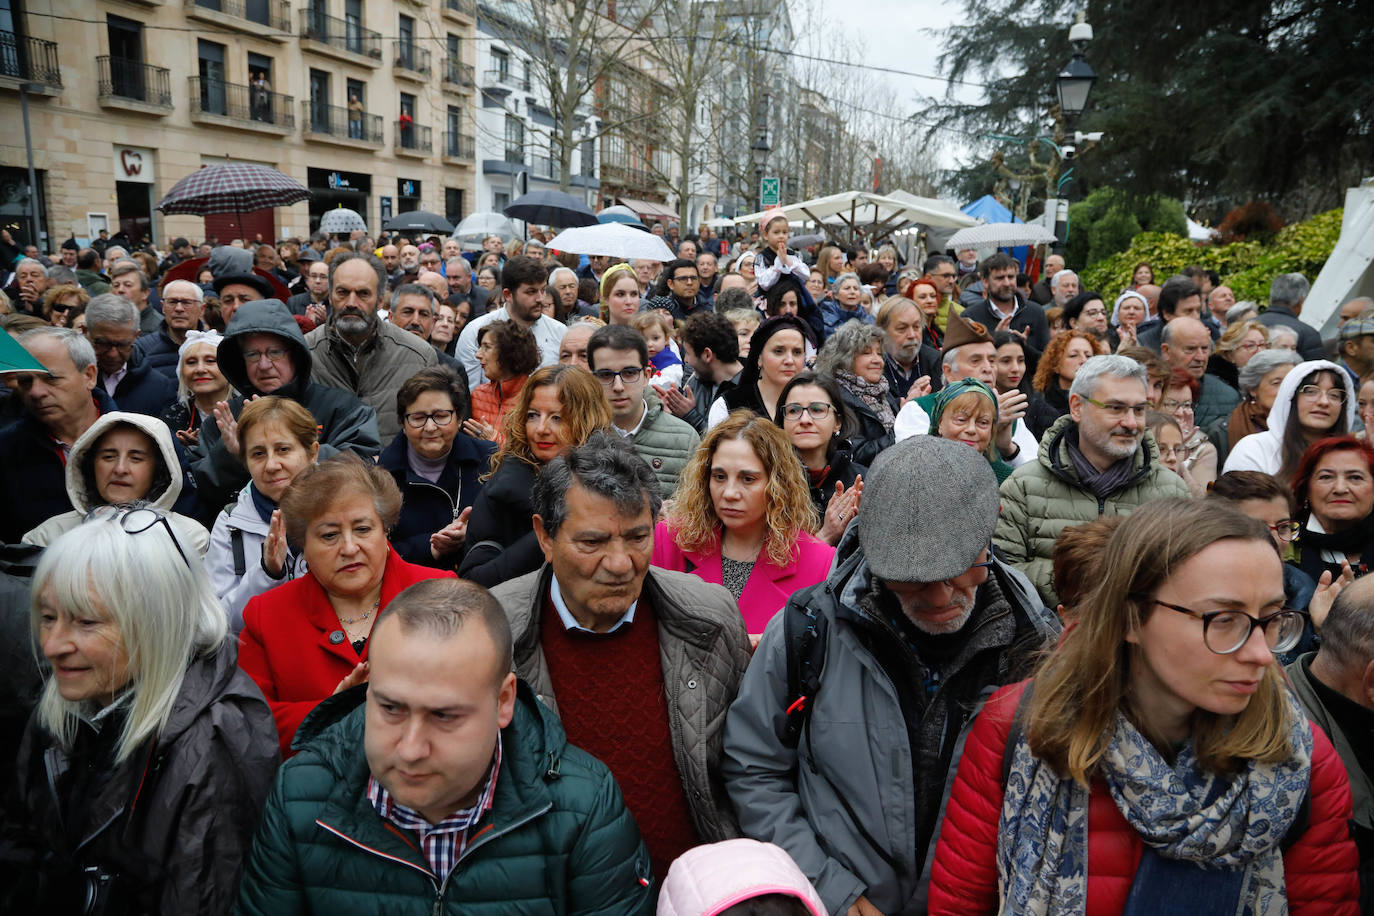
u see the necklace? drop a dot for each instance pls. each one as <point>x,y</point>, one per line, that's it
<point>348,621</point>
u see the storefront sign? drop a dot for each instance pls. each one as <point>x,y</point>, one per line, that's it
<point>407,187</point>
<point>339,181</point>
<point>386,208</point>
<point>133,163</point>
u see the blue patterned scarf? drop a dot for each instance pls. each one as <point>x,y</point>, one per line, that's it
<point>1218,821</point>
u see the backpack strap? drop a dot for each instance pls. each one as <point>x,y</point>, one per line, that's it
<point>804,634</point>
<point>236,544</point>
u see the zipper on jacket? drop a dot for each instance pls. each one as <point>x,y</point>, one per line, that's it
<point>452,503</point>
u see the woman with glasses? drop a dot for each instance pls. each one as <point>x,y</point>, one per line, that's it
<point>853,357</point>
<point>437,468</point>
<point>559,407</point>
<point>59,301</point>
<point>1263,498</point>
<point>1199,454</point>
<point>1315,400</point>
<point>1239,344</point>
<point>1157,752</point>
<point>812,412</point>
<point>1054,373</point>
<point>508,354</point>
<point>743,518</point>
<point>124,459</point>
<point>1258,380</point>
<point>150,754</point>
<point>1334,486</point>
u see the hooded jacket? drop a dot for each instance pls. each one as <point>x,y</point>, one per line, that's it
<point>1042,498</point>
<point>854,764</point>
<point>189,531</point>
<point>345,423</point>
<point>174,820</point>
<point>557,839</point>
<point>240,521</point>
<point>1263,451</point>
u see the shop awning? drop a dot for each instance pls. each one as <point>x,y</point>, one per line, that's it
<point>648,207</point>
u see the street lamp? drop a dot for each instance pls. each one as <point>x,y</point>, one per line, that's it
<point>24,90</point>
<point>760,150</point>
<point>1075,80</point>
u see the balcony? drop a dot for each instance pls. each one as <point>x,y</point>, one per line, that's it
<point>460,9</point>
<point>459,146</point>
<point>241,107</point>
<point>333,124</point>
<point>132,85</point>
<point>29,60</point>
<point>410,61</point>
<point>616,175</point>
<point>502,82</point>
<point>340,38</point>
<point>457,74</point>
<point>270,19</point>
<point>544,167</point>
<point>413,140</point>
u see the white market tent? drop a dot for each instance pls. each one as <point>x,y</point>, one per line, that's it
<point>1349,272</point>
<point>853,214</point>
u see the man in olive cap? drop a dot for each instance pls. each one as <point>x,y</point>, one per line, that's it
<point>851,718</point>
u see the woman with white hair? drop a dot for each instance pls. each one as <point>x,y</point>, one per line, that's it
<point>200,386</point>
<point>149,756</point>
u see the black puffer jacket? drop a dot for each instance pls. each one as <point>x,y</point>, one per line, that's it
<point>501,543</point>
<point>871,437</point>
<point>172,823</point>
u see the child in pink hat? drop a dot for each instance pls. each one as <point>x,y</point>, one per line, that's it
<point>737,877</point>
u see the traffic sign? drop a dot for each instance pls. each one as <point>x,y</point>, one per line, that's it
<point>769,195</point>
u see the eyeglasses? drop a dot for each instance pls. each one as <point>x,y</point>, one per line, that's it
<point>1315,392</point>
<point>61,307</point>
<point>1177,451</point>
<point>1225,632</point>
<point>687,279</point>
<point>136,521</point>
<point>104,343</point>
<point>1116,410</point>
<point>273,354</point>
<point>181,303</point>
<point>818,410</point>
<point>441,418</point>
<point>1171,405</point>
<point>627,375</point>
<point>1252,346</point>
<point>1286,530</point>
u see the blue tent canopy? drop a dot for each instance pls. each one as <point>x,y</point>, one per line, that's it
<point>990,210</point>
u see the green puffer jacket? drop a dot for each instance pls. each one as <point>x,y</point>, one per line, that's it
<point>1042,498</point>
<point>666,442</point>
<point>558,838</point>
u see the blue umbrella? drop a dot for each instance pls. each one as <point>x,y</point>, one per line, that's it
<point>551,208</point>
<point>620,214</point>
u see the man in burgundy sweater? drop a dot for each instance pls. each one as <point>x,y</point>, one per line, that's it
<point>644,662</point>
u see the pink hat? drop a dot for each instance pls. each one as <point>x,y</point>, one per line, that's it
<point>771,214</point>
<point>708,879</point>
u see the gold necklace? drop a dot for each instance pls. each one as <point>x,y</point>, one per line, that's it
<point>348,621</point>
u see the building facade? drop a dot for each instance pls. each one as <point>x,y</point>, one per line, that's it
<point>368,103</point>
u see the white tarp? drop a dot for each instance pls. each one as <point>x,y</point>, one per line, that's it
<point>1349,272</point>
<point>862,209</point>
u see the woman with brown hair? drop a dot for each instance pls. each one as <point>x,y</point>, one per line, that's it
<point>1054,374</point>
<point>558,408</point>
<point>1158,749</point>
<point>59,301</point>
<point>743,518</point>
<point>507,354</point>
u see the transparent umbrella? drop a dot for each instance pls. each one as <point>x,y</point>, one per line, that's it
<point>480,225</point>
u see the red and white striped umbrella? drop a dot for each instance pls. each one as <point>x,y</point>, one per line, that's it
<point>232,188</point>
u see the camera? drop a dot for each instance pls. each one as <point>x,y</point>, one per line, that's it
<point>1068,151</point>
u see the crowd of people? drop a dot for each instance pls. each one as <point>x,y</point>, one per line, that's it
<point>378,575</point>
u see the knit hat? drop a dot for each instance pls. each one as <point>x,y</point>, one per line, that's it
<point>612,274</point>
<point>706,880</point>
<point>959,331</point>
<point>927,484</point>
<point>945,395</point>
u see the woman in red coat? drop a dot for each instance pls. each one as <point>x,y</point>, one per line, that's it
<point>307,639</point>
<point>1159,763</point>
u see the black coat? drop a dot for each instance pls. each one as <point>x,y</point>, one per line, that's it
<point>842,469</point>
<point>871,437</point>
<point>1044,409</point>
<point>1029,317</point>
<point>143,389</point>
<point>173,822</point>
<point>427,507</point>
<point>160,352</point>
<point>501,540</point>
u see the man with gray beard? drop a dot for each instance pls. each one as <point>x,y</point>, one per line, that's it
<point>884,663</point>
<point>356,351</point>
<point>1099,459</point>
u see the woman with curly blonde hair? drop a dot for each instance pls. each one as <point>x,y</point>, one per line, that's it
<point>558,408</point>
<point>743,518</point>
<point>1054,374</point>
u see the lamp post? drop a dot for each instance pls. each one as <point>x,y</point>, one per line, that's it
<point>1073,85</point>
<point>760,150</point>
<point>24,90</point>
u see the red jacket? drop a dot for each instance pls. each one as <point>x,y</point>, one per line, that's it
<point>1319,869</point>
<point>285,646</point>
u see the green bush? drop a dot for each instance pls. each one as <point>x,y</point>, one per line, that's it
<point>1247,267</point>
<point>1112,233</point>
<point>1105,222</point>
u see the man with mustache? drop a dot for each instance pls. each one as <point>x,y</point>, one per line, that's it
<point>358,352</point>
<point>643,662</point>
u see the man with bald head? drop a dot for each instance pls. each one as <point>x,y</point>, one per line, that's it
<point>183,304</point>
<point>391,257</point>
<point>1185,343</point>
<point>1219,302</point>
<point>572,350</point>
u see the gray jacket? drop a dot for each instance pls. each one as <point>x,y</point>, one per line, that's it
<point>1361,772</point>
<point>704,650</point>
<point>855,760</point>
<point>375,371</point>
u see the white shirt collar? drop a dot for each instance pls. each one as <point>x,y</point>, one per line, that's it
<point>570,622</point>
<point>631,433</point>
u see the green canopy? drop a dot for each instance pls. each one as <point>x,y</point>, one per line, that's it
<point>14,358</point>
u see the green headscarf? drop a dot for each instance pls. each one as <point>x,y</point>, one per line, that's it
<point>952,391</point>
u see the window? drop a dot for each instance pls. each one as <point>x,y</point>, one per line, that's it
<point>126,57</point>
<point>211,68</point>
<point>405,46</point>
<point>453,46</point>
<point>588,158</point>
<point>453,205</point>
<point>500,62</point>
<point>353,25</point>
<point>319,101</point>
<point>515,139</point>
<point>406,122</point>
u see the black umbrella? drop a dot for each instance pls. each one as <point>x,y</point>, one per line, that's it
<point>551,208</point>
<point>418,221</point>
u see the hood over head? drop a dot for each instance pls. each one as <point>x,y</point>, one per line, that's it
<point>264,316</point>
<point>1288,389</point>
<point>166,489</point>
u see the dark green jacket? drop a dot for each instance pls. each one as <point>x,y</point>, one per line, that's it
<point>557,840</point>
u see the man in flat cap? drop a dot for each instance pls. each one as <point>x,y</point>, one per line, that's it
<point>851,718</point>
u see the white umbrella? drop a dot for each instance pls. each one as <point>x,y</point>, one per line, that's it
<point>1000,235</point>
<point>480,225</point>
<point>617,240</point>
<point>342,220</point>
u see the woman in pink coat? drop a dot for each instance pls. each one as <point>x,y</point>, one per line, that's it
<point>743,518</point>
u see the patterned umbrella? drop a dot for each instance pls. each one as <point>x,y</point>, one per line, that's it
<point>234,188</point>
<point>342,220</point>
